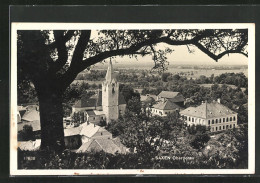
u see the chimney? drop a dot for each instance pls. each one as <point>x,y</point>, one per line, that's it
<point>218,100</point>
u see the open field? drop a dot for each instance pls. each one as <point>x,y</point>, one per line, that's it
<point>196,73</point>
<point>231,86</point>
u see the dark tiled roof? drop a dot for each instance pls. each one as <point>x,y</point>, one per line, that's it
<point>208,110</point>
<point>96,100</point>
<point>166,105</point>
<point>174,96</point>
<point>168,94</point>
<point>84,102</point>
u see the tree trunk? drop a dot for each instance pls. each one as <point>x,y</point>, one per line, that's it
<point>51,117</point>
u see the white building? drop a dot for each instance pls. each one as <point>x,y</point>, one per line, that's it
<point>167,102</point>
<point>215,115</point>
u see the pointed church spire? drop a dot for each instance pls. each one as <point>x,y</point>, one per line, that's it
<point>110,72</point>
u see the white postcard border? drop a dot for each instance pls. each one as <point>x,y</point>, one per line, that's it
<point>99,26</point>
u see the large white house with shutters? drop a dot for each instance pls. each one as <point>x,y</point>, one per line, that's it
<point>215,115</point>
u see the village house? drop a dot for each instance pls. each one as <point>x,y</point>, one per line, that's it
<point>111,146</point>
<point>213,115</point>
<point>166,102</point>
<point>108,103</point>
<point>174,97</point>
<point>72,137</point>
<point>29,116</point>
<point>76,136</point>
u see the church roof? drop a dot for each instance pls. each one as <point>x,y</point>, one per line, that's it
<point>166,105</point>
<point>85,102</point>
<point>96,100</point>
<point>208,110</point>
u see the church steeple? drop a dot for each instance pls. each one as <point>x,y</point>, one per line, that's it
<point>110,76</point>
<point>110,95</point>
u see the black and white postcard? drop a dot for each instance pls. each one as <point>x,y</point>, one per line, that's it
<point>118,99</point>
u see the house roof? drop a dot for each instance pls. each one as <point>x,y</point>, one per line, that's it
<point>36,125</point>
<point>72,131</point>
<point>208,110</point>
<point>145,97</point>
<point>90,113</point>
<point>99,112</point>
<point>89,130</point>
<point>31,115</point>
<point>107,145</point>
<point>29,145</point>
<point>166,105</point>
<point>149,99</point>
<point>174,96</point>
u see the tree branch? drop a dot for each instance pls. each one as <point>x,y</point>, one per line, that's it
<point>219,56</point>
<point>80,48</point>
<point>79,65</point>
<point>60,44</point>
<point>77,58</point>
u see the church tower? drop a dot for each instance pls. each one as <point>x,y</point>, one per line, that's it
<point>110,95</point>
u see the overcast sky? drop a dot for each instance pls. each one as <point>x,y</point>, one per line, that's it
<point>181,56</point>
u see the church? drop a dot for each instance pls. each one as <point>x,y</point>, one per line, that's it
<point>107,104</point>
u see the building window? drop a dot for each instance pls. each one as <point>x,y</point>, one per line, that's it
<point>230,119</point>
<point>216,128</point>
<point>234,125</point>
<point>192,119</point>
<point>234,118</point>
<point>223,120</point>
<point>219,127</point>
<point>227,119</point>
<point>216,121</point>
<point>220,120</point>
<point>223,127</point>
<point>213,121</point>
<point>227,127</point>
<point>165,112</point>
<point>209,122</point>
<point>189,118</point>
<point>230,126</point>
